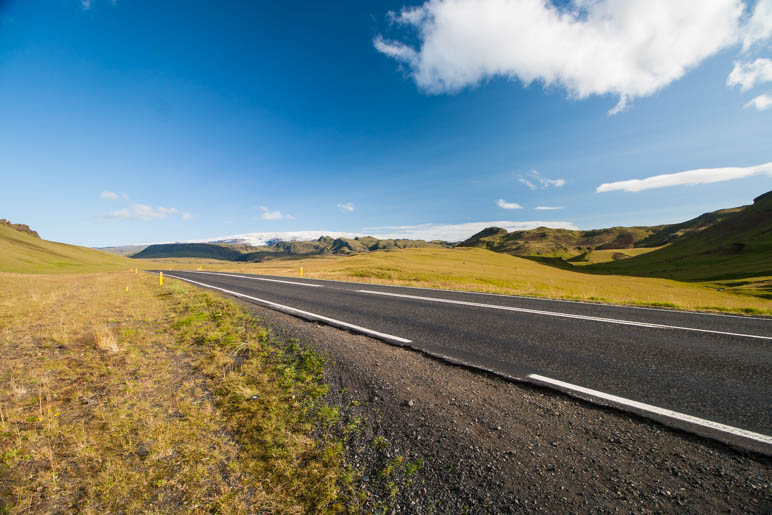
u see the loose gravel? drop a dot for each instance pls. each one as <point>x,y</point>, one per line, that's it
<point>427,437</point>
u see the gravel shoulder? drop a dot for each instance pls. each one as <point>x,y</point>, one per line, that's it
<point>439,438</point>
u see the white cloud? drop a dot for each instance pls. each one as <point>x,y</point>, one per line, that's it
<point>759,27</point>
<point>761,102</point>
<point>265,238</point>
<point>456,232</point>
<point>393,49</point>
<point>111,195</point>
<point>187,216</point>
<point>348,207</point>
<point>503,204</point>
<point>534,181</point>
<point>626,48</point>
<point>274,215</point>
<point>748,74</point>
<point>701,176</point>
<point>140,212</point>
<point>547,208</point>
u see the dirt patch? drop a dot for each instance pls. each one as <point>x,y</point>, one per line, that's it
<point>438,438</point>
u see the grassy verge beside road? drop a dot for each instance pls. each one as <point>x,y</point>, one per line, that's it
<point>485,271</point>
<point>155,399</point>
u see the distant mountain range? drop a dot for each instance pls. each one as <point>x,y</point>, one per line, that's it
<point>725,245</point>
<point>734,242</point>
<point>281,249</point>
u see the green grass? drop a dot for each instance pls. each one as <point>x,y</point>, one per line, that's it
<point>608,255</point>
<point>22,253</point>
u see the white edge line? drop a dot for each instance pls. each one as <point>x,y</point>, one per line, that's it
<point>648,408</point>
<point>561,315</point>
<point>305,314</point>
<point>620,402</point>
<point>534,297</point>
<point>260,279</point>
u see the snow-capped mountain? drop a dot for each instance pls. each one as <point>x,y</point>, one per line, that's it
<point>267,238</point>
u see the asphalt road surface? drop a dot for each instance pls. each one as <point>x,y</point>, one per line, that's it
<point>713,371</point>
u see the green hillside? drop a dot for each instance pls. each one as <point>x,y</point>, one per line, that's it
<point>22,252</point>
<point>555,246</point>
<point>562,243</point>
<point>738,246</point>
<point>671,233</point>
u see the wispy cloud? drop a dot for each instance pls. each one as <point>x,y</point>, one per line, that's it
<point>761,102</point>
<point>547,208</point>
<point>140,212</point>
<point>691,177</point>
<point>111,195</point>
<point>534,181</point>
<point>748,74</point>
<point>597,47</point>
<point>503,204</point>
<point>186,217</point>
<point>88,4</point>
<point>274,215</point>
<point>457,232</point>
<point>758,29</point>
<point>348,207</point>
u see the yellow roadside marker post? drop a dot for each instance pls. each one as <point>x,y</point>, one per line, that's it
<point>161,278</point>
<point>301,271</point>
<point>127,289</point>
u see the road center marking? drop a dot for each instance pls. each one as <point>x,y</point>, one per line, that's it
<point>304,314</point>
<point>260,279</point>
<point>562,315</point>
<point>648,408</point>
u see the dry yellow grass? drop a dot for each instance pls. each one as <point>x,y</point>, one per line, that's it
<point>486,271</point>
<point>153,400</point>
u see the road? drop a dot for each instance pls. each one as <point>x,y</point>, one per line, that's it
<point>713,371</point>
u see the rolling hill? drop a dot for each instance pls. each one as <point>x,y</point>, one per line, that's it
<point>562,243</point>
<point>22,251</point>
<point>193,250</point>
<point>559,246</point>
<point>737,245</point>
<point>324,245</point>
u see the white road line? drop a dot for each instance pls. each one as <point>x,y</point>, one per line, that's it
<point>532,297</point>
<point>259,279</point>
<point>649,409</point>
<point>562,315</point>
<point>304,314</point>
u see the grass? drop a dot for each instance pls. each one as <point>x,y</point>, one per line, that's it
<point>608,255</point>
<point>486,271</point>
<point>22,253</point>
<point>157,399</point>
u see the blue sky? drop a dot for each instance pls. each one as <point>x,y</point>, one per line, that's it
<point>134,121</point>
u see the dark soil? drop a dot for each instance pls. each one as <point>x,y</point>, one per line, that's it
<point>443,439</point>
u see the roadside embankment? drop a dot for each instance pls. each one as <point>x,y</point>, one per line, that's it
<point>452,441</point>
<point>158,399</point>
